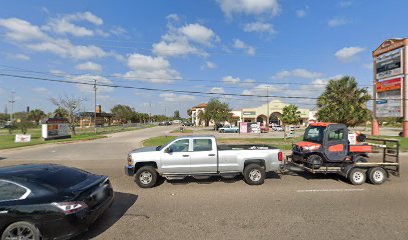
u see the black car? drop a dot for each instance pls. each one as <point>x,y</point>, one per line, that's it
<point>187,124</point>
<point>48,201</point>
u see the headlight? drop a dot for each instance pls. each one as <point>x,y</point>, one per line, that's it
<point>129,159</point>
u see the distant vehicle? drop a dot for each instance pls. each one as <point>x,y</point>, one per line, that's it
<point>176,121</point>
<point>47,201</point>
<point>218,126</point>
<point>201,157</point>
<point>187,124</point>
<point>228,129</point>
<point>165,123</point>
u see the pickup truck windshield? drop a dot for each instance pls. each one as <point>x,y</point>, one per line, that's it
<point>314,134</point>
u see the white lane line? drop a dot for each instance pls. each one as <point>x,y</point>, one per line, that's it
<point>331,190</point>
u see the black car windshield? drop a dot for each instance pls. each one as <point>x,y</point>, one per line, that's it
<point>314,134</point>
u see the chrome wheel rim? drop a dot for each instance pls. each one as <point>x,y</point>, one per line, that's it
<point>378,176</point>
<point>358,177</point>
<point>255,175</point>
<point>145,177</point>
<point>20,233</point>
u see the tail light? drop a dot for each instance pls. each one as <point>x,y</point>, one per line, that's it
<point>70,207</point>
<point>280,156</point>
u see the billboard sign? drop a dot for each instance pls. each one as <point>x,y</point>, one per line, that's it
<point>388,64</point>
<point>250,127</point>
<point>388,85</point>
<point>243,127</point>
<point>22,138</point>
<point>389,103</point>
<point>55,129</point>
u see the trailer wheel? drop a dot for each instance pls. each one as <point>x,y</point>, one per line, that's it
<point>357,176</point>
<point>254,174</point>
<point>377,175</point>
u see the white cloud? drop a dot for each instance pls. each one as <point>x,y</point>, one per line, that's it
<point>89,66</point>
<point>335,22</point>
<point>25,34</point>
<point>248,83</point>
<point>184,40</point>
<point>297,73</point>
<point>231,80</point>
<point>250,7</point>
<point>21,30</point>
<point>19,56</point>
<point>217,90</point>
<point>90,78</point>
<point>150,69</point>
<point>65,25</point>
<point>249,50</point>
<point>348,53</point>
<point>208,65</point>
<point>41,90</point>
<point>300,13</point>
<point>172,97</point>
<point>259,27</point>
<point>173,17</point>
<point>118,31</point>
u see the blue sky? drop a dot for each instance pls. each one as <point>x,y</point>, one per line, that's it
<point>220,46</point>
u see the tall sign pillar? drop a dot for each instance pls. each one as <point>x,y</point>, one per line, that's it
<point>390,82</point>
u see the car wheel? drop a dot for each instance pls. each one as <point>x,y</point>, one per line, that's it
<point>146,177</point>
<point>254,174</point>
<point>357,176</point>
<point>21,230</point>
<point>377,175</point>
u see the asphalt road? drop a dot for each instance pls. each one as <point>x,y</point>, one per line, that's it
<point>287,206</point>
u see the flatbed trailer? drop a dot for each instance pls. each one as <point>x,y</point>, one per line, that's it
<point>358,172</point>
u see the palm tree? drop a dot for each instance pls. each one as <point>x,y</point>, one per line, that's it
<point>290,115</point>
<point>344,102</point>
<point>36,115</point>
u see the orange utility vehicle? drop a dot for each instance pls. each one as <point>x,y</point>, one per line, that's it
<point>330,148</point>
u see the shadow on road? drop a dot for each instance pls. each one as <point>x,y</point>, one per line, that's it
<point>214,179</point>
<point>296,171</point>
<point>2,158</point>
<point>123,201</point>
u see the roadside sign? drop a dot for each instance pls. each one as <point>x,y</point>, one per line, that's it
<point>23,138</point>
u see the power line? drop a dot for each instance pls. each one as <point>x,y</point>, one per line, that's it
<point>163,90</point>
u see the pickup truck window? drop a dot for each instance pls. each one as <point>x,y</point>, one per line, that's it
<point>180,146</point>
<point>202,145</point>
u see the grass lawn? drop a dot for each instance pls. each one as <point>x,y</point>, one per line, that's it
<point>277,142</point>
<point>184,131</point>
<point>7,140</point>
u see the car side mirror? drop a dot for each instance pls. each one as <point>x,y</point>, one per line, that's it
<point>168,150</point>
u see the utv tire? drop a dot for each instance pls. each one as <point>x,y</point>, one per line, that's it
<point>357,176</point>
<point>146,177</point>
<point>314,161</point>
<point>21,230</point>
<point>254,174</point>
<point>377,175</point>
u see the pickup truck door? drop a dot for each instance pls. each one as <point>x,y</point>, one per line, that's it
<point>204,156</point>
<point>175,158</point>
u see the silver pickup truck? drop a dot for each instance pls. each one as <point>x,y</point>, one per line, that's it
<point>201,157</point>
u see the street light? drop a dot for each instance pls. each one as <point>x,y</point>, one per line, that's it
<point>12,106</point>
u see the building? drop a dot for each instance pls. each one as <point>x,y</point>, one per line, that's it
<point>87,119</point>
<point>258,114</point>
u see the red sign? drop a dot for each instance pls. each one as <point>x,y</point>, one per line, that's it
<point>388,85</point>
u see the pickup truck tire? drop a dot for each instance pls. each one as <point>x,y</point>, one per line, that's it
<point>254,174</point>
<point>146,177</point>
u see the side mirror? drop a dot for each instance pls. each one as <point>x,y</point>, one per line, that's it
<point>168,150</point>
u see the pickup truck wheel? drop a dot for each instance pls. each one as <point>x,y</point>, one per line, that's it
<point>254,174</point>
<point>357,176</point>
<point>377,175</point>
<point>146,177</point>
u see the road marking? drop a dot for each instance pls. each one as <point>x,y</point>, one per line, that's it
<point>331,190</point>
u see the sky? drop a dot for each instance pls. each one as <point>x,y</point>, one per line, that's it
<point>248,48</point>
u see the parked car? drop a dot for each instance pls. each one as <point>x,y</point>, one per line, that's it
<point>165,123</point>
<point>47,201</point>
<point>187,124</point>
<point>228,129</point>
<point>201,157</point>
<point>218,126</point>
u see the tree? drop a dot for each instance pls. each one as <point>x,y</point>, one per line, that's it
<point>176,114</point>
<point>70,105</point>
<point>60,113</point>
<point>36,115</point>
<point>123,113</point>
<point>344,102</point>
<point>217,111</point>
<point>189,112</point>
<point>290,115</point>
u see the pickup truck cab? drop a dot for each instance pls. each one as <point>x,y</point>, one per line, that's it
<point>201,157</point>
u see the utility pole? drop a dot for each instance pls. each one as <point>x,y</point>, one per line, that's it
<point>150,112</point>
<point>95,105</point>
<point>267,106</point>
<point>12,106</point>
